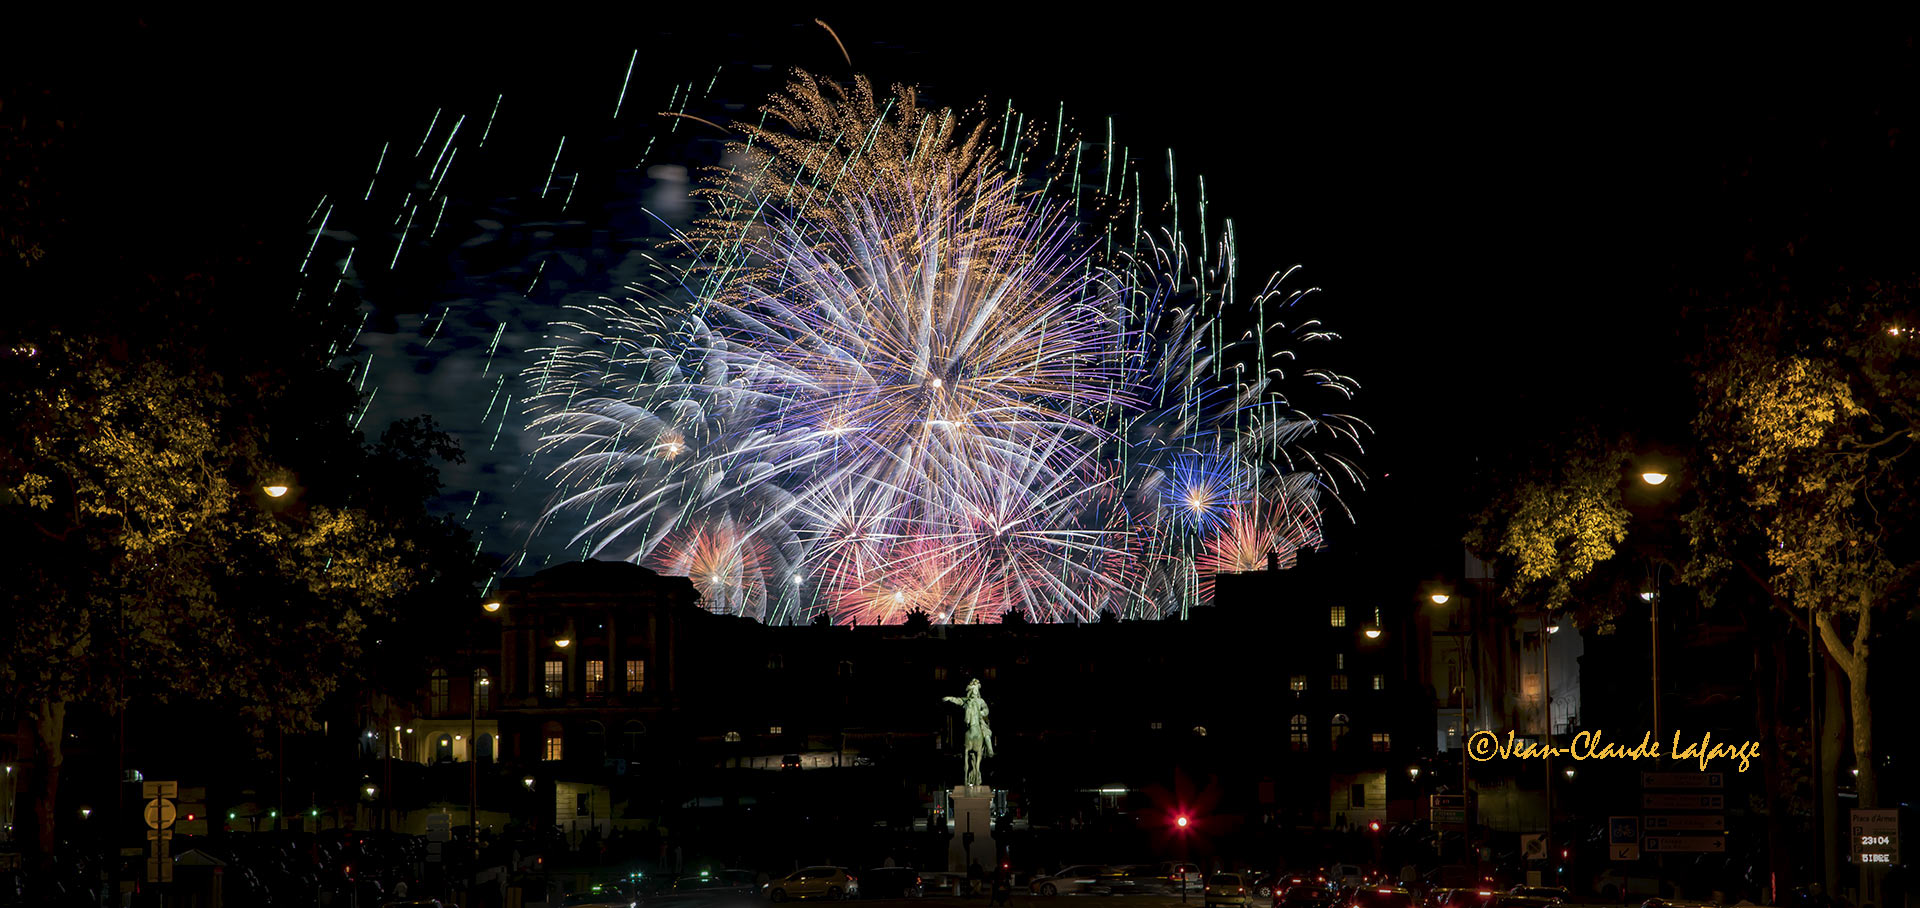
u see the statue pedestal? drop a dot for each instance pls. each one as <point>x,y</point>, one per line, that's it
<point>972,810</point>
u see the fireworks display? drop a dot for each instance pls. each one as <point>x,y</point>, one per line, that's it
<point>918,359</point>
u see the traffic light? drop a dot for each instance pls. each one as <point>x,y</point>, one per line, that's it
<point>1374,826</point>
<point>1181,821</point>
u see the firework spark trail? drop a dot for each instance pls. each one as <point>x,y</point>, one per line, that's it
<point>900,378</point>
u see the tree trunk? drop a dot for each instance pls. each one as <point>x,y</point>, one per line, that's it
<point>1832,739</point>
<point>49,728</point>
<point>1853,660</point>
<point>1767,662</point>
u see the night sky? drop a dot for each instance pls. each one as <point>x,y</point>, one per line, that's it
<point>1508,218</point>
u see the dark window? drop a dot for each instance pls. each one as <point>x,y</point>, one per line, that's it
<point>1357,796</point>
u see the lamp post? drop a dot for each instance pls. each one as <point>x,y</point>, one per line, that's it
<point>1441,598</point>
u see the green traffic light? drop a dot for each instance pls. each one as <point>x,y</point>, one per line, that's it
<point>273,813</point>
<point>229,814</point>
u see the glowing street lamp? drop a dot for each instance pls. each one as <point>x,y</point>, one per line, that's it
<point>1653,477</point>
<point>1413,773</point>
<point>563,642</point>
<point>1440,598</point>
<point>276,490</point>
<point>1373,633</point>
<point>492,605</point>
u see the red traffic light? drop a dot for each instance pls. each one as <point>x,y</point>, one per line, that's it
<point>1375,825</point>
<point>1181,821</point>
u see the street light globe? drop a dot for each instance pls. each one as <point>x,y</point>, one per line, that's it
<point>528,781</point>
<point>86,813</point>
<point>1646,596</point>
<point>1413,772</point>
<point>275,491</point>
<point>1653,477</point>
<point>492,605</point>
<point>1373,633</point>
<point>1553,628</point>
<point>1439,598</point>
<point>1569,773</point>
<point>563,642</point>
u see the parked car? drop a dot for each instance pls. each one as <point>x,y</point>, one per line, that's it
<point>1226,889</point>
<point>1180,874</point>
<point>1380,897</point>
<point>1313,894</point>
<point>830,883</point>
<point>892,883</point>
<point>1077,878</point>
<point>1556,893</point>
<point>1346,875</point>
<point>943,883</point>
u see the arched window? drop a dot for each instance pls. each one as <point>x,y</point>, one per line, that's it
<point>596,741</point>
<point>1339,734</point>
<point>630,735</point>
<point>443,749</point>
<point>733,737</point>
<point>1297,733</point>
<point>483,749</point>
<point>437,692</point>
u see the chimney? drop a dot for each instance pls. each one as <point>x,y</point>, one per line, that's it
<point>1273,559</point>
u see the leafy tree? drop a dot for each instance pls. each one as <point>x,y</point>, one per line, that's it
<point>1808,417</point>
<point>151,559</point>
<point>1551,524</point>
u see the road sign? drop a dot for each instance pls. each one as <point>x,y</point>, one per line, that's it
<point>1457,801</point>
<point>1456,816</point>
<point>160,813</point>
<point>159,835</point>
<point>1626,852</point>
<point>1876,836</point>
<point>1698,822</point>
<point>1683,802</point>
<point>167,790</point>
<point>1682,780</point>
<point>1684,843</point>
<point>160,870</point>
<point>1623,831</point>
<point>1533,846</point>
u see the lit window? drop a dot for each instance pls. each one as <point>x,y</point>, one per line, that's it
<point>1337,616</point>
<point>993,671</point>
<point>1339,661</point>
<point>1379,682</point>
<point>553,747</point>
<point>555,678</point>
<point>596,677</point>
<point>1297,732</point>
<point>1339,732</point>
<point>733,737</point>
<point>636,675</point>
<point>1339,682</point>
<point>437,691</point>
<point>939,673</point>
<point>1382,742</point>
<point>775,730</point>
<point>1297,682</point>
<point>483,692</point>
